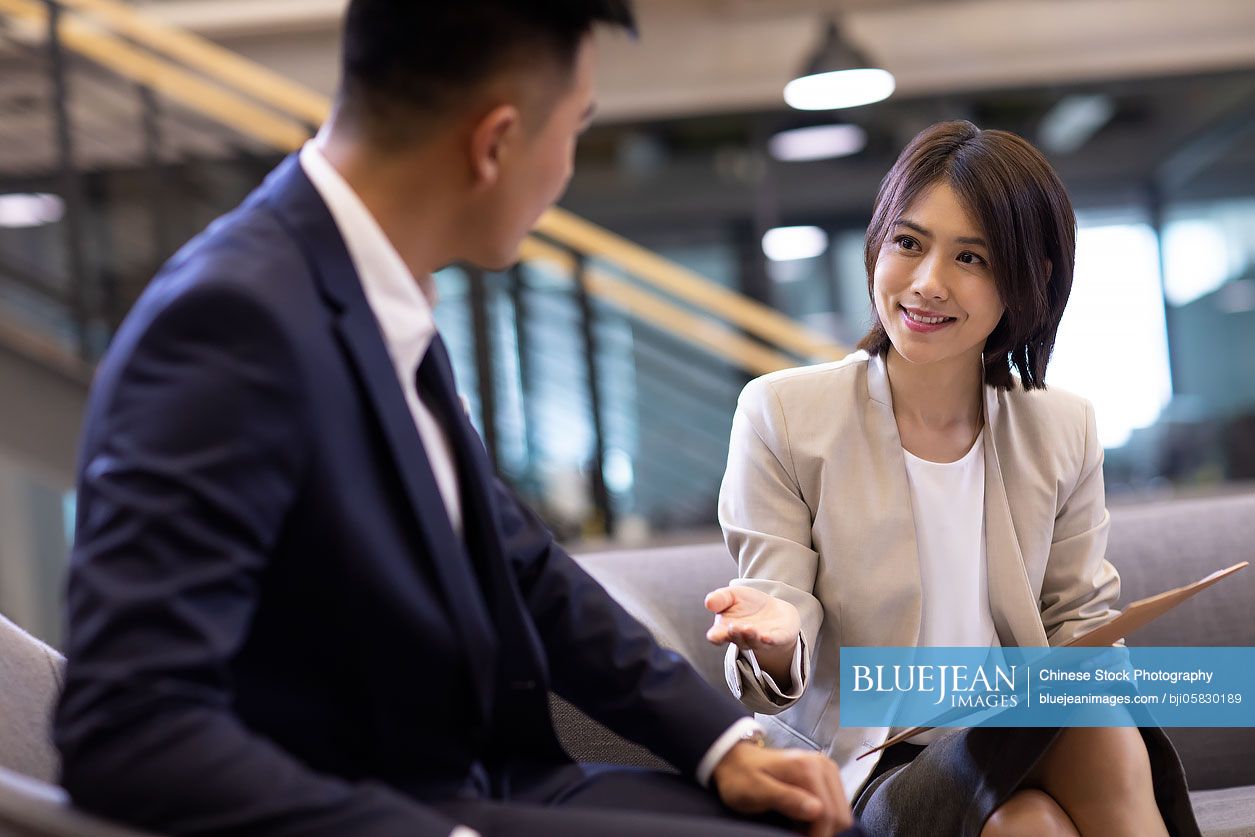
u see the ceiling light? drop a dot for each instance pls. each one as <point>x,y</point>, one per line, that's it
<point>19,211</point>
<point>838,76</point>
<point>785,244</point>
<point>1072,121</point>
<point>819,142</point>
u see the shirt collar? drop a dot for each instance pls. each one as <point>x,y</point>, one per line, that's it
<point>395,298</point>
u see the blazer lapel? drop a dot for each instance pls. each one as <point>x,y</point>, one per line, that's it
<point>899,558</point>
<point>1014,607</point>
<point>297,201</point>
<point>1011,601</point>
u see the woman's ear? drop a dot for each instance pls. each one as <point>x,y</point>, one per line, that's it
<point>492,139</point>
<point>1050,269</point>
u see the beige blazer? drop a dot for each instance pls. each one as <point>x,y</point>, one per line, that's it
<point>816,509</point>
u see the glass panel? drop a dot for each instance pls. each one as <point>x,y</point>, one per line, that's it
<point>34,544</point>
<point>1206,245</point>
<point>1112,346</point>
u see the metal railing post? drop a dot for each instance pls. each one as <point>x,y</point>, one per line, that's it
<point>601,494</point>
<point>522,344</point>
<point>481,330</point>
<point>159,205</point>
<point>71,184</point>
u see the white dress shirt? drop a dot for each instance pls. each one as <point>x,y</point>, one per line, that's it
<point>400,307</point>
<point>404,314</point>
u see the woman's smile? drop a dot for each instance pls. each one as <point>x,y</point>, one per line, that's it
<point>924,322</point>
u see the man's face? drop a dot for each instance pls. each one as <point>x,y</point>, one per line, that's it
<point>536,166</point>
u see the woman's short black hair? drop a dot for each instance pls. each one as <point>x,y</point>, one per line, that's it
<point>1024,212</point>
<point>405,61</point>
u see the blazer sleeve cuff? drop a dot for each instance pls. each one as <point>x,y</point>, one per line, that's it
<point>756,688</point>
<point>770,687</point>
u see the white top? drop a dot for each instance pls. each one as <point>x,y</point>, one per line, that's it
<point>403,310</point>
<point>948,502</point>
<point>400,306</point>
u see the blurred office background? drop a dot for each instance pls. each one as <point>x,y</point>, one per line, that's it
<point>603,371</point>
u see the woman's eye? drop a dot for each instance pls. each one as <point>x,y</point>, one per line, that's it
<point>906,242</point>
<point>971,258</point>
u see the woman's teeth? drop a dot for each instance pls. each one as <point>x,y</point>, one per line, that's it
<point>927,320</point>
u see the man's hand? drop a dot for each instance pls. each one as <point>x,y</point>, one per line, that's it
<point>757,622</point>
<point>799,784</point>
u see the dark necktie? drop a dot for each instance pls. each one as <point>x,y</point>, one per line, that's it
<point>520,660</point>
<point>436,390</point>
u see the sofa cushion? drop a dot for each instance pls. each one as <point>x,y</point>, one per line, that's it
<point>585,740</point>
<point>1156,546</point>
<point>30,680</point>
<point>664,588</point>
<point>1225,813</point>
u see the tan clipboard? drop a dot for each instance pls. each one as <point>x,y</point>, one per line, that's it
<point>1137,615</point>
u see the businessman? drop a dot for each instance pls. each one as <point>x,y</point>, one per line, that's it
<point>300,603</point>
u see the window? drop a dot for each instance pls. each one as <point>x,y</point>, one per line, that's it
<point>1113,344</point>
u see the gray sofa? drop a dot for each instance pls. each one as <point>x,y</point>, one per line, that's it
<point>1154,547</point>
<point>31,804</point>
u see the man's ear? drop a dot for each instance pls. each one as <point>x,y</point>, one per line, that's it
<point>492,139</point>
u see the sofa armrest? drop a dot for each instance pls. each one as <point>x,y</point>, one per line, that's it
<point>30,808</point>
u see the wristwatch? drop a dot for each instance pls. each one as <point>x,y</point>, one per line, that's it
<point>754,736</point>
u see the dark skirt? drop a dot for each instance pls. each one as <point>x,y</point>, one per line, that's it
<point>952,786</point>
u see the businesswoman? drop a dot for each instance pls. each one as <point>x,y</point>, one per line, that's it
<point>930,490</point>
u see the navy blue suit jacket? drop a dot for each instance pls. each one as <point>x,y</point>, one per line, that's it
<point>273,627</point>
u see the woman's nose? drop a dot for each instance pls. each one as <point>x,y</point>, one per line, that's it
<point>929,280</point>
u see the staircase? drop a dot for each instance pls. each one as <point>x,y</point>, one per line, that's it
<point>602,377</point>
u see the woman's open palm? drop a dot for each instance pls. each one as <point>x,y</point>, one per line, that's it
<point>752,619</point>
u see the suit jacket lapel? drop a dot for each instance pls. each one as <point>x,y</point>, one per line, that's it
<point>900,558</point>
<point>297,202</point>
<point>1011,601</point>
<point>1014,607</point>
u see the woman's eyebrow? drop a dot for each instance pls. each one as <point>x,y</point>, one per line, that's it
<point>924,231</point>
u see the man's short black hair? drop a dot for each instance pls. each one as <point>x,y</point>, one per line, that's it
<point>404,60</point>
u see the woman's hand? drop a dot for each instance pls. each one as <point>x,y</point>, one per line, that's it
<point>758,622</point>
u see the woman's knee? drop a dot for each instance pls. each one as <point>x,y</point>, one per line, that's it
<point>1029,813</point>
<point>1133,761</point>
<point>1117,755</point>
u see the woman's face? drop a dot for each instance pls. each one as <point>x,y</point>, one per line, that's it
<point>933,287</point>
